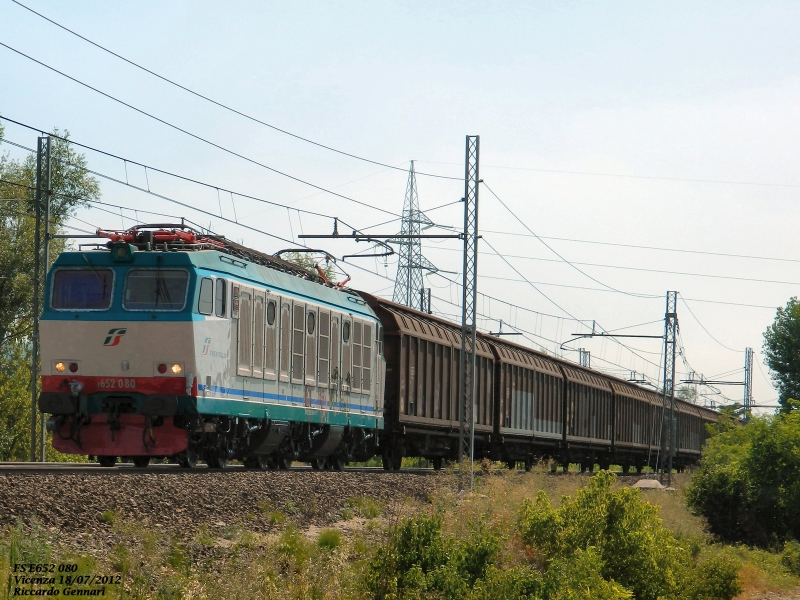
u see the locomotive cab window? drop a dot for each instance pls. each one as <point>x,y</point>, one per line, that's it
<point>220,297</point>
<point>205,304</point>
<point>155,289</point>
<point>82,289</point>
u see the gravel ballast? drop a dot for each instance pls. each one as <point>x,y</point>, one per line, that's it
<point>184,501</point>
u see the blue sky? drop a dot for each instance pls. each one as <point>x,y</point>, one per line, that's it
<point>698,91</point>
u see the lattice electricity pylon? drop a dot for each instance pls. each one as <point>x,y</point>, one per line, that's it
<point>748,382</point>
<point>41,258</point>
<point>668,416</point>
<point>411,264</point>
<point>466,447</point>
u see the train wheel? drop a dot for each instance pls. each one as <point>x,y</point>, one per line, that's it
<point>141,461</point>
<point>437,461</point>
<point>337,462</point>
<point>188,458</point>
<point>318,464</point>
<point>215,461</point>
<point>259,461</point>
<point>107,461</point>
<point>284,463</point>
<point>528,464</point>
<point>512,465</point>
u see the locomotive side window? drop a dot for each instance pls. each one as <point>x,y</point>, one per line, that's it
<point>221,288</point>
<point>271,312</point>
<point>82,289</point>
<point>346,375</point>
<point>205,304</point>
<point>155,289</point>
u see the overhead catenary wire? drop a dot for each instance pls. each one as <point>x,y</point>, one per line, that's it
<point>521,222</point>
<point>691,312</point>
<point>639,247</point>
<point>641,269</point>
<point>194,135</point>
<point>628,176</point>
<point>225,106</point>
<point>157,170</point>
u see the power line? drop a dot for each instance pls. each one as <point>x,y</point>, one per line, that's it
<point>623,176</point>
<point>641,269</point>
<point>521,222</point>
<point>194,135</point>
<point>691,312</point>
<point>224,106</point>
<point>157,170</point>
<point>657,248</point>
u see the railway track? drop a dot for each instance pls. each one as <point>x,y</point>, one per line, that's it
<point>27,468</point>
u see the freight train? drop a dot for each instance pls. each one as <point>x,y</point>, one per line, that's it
<point>168,343</point>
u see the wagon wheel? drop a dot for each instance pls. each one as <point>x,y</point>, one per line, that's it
<point>318,464</point>
<point>337,462</point>
<point>141,462</point>
<point>107,461</point>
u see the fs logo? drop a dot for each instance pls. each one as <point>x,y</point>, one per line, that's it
<point>114,336</point>
<point>206,346</point>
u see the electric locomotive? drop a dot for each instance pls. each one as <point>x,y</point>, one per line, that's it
<point>169,343</point>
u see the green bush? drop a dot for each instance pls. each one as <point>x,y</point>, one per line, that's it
<point>790,557</point>
<point>622,539</point>
<point>419,561</point>
<point>748,482</point>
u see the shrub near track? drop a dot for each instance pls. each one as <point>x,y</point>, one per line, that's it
<point>748,482</point>
<point>604,544</point>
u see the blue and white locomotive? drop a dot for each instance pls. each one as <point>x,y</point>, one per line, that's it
<point>175,344</point>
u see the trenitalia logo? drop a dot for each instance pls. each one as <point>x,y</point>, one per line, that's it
<point>114,336</point>
<point>206,346</point>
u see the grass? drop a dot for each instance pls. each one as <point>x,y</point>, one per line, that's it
<point>285,561</point>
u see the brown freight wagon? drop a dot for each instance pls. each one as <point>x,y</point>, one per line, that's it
<point>421,416</point>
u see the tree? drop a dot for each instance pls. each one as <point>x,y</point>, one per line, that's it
<point>748,483</point>
<point>72,186</point>
<point>782,353</point>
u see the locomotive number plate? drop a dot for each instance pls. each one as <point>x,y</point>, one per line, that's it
<point>117,384</point>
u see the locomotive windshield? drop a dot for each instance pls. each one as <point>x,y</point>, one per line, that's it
<point>155,289</point>
<point>82,289</point>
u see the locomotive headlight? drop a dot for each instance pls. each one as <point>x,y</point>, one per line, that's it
<point>176,368</point>
<point>60,366</point>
